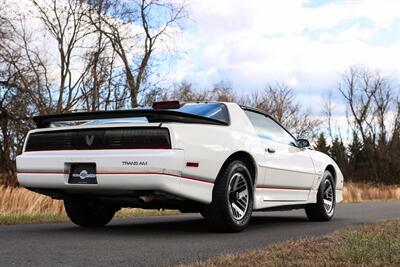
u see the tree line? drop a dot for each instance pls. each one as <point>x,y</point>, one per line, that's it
<point>103,55</point>
<point>370,151</point>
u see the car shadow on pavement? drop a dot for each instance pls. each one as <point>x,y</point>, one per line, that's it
<point>173,225</point>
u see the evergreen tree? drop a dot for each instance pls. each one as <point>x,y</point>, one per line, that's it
<point>357,159</point>
<point>321,144</point>
<point>338,152</point>
<point>394,160</point>
<point>355,149</point>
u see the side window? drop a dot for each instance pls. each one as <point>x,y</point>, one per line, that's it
<point>268,129</point>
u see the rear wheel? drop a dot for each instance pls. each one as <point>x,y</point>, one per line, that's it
<point>88,213</point>
<point>324,209</point>
<point>232,203</point>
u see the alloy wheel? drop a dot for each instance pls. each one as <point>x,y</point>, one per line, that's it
<point>328,197</point>
<point>238,196</point>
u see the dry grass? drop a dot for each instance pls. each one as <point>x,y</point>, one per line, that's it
<point>19,205</point>
<point>20,201</point>
<point>371,245</point>
<point>356,192</point>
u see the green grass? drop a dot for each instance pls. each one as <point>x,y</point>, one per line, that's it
<point>134,213</point>
<point>371,245</point>
<point>375,244</point>
<point>53,218</point>
<point>26,219</point>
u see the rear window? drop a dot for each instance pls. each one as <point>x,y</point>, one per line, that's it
<point>216,111</point>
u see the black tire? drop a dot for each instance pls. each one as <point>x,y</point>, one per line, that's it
<point>88,213</point>
<point>320,211</point>
<point>228,211</point>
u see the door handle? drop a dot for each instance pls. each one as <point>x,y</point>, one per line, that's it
<point>270,150</point>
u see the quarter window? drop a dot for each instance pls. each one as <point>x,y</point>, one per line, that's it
<point>267,129</point>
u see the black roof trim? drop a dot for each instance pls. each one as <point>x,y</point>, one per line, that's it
<point>255,110</point>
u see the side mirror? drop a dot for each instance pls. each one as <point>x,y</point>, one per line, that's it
<point>303,143</point>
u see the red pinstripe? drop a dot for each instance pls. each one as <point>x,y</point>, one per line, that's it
<point>119,173</point>
<point>282,188</point>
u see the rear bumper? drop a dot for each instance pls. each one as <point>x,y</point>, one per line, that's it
<point>116,170</point>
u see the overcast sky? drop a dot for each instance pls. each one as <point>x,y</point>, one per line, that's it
<point>306,44</point>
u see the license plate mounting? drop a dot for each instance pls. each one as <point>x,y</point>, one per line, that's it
<point>82,173</point>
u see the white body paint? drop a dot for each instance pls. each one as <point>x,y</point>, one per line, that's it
<point>290,176</point>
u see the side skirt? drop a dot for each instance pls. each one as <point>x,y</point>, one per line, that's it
<point>284,208</point>
<point>264,201</point>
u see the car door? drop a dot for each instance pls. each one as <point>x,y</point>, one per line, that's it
<point>290,171</point>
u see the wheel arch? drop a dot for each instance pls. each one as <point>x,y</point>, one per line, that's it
<point>247,159</point>
<point>332,170</point>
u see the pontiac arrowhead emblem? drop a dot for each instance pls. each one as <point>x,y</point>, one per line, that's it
<point>89,139</point>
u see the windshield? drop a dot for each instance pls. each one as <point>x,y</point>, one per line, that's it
<point>216,111</point>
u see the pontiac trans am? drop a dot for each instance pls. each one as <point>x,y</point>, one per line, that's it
<point>222,160</point>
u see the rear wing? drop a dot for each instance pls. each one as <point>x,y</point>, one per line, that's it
<point>151,115</point>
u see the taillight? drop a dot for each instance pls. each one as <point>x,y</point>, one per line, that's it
<point>139,138</point>
<point>109,138</point>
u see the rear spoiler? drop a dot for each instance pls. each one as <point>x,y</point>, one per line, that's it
<point>151,115</point>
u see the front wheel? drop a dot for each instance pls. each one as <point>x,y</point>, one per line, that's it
<point>88,213</point>
<point>324,209</point>
<point>232,204</point>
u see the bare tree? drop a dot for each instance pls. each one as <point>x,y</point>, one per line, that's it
<point>358,91</point>
<point>13,108</point>
<point>278,100</point>
<point>358,88</point>
<point>222,91</point>
<point>328,112</point>
<point>369,98</point>
<point>64,20</point>
<point>383,102</point>
<point>396,121</point>
<point>119,22</point>
<point>93,39</point>
<point>185,92</point>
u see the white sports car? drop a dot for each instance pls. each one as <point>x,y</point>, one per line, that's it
<point>220,159</point>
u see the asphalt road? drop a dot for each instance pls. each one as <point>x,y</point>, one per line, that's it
<point>160,241</point>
